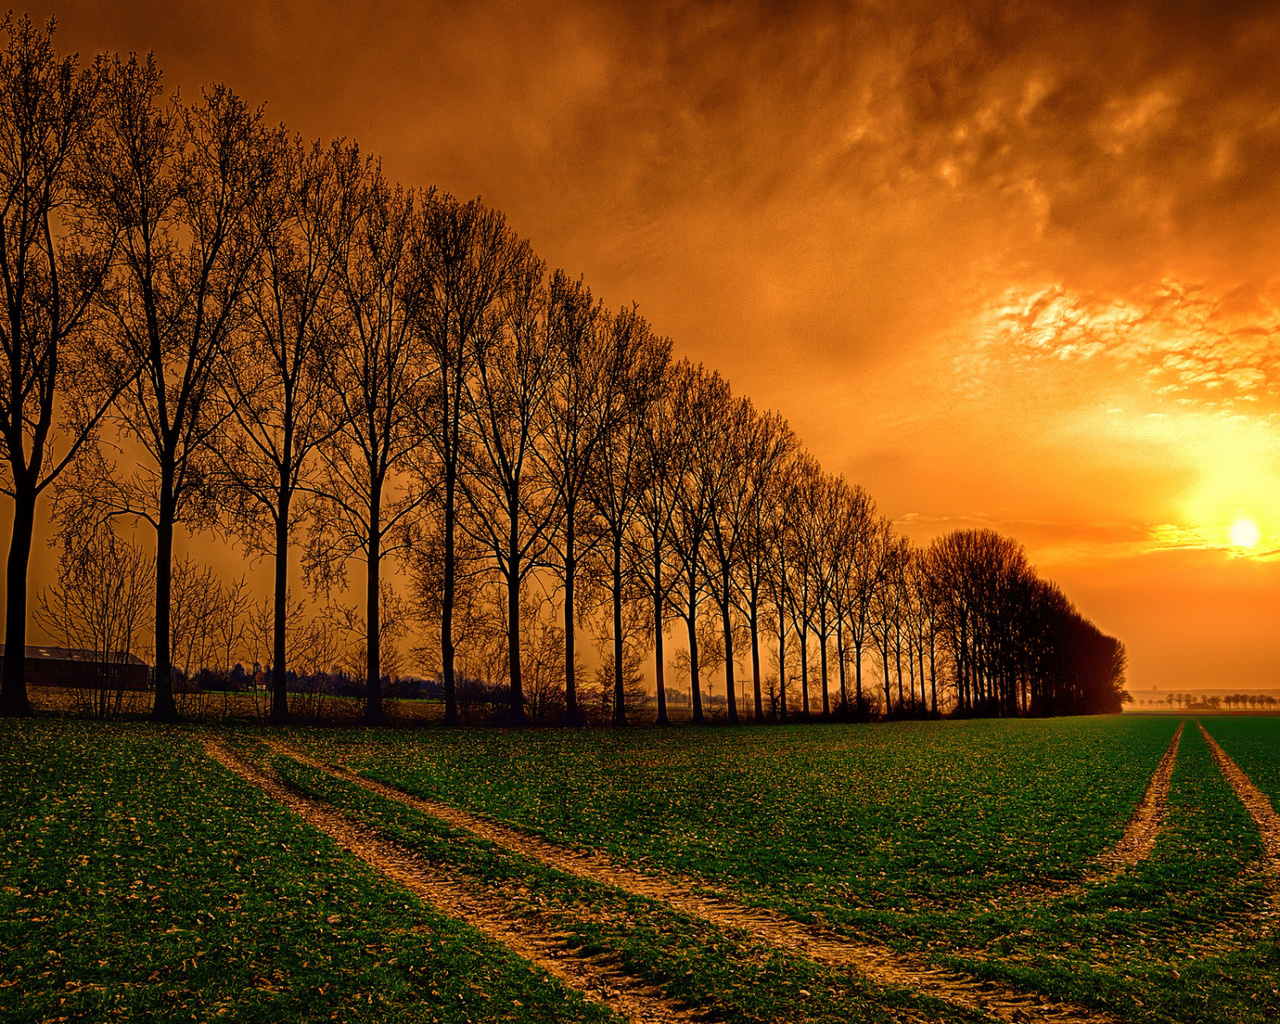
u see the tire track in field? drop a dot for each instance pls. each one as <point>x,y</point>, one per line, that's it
<point>1256,802</point>
<point>877,964</point>
<point>1143,829</point>
<point>1131,849</point>
<point>597,978</point>
<point>1259,923</point>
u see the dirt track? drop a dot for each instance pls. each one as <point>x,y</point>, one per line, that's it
<point>1143,829</point>
<point>1255,801</point>
<point>878,964</point>
<point>596,978</point>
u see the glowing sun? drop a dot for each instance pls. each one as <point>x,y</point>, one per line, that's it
<point>1244,533</point>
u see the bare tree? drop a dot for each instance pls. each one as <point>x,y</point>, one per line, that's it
<point>924,623</point>
<point>208,624</point>
<point>773,445</point>
<point>736,431</point>
<point>377,379</point>
<point>777,583</point>
<point>801,536</point>
<point>870,548</point>
<point>274,377</point>
<point>698,399</point>
<point>177,184</point>
<point>101,604</point>
<point>51,268</point>
<point>887,610</point>
<point>469,580</point>
<point>513,503</point>
<point>854,520</point>
<point>584,400</point>
<point>617,483</point>
<point>663,439</point>
<point>474,258</point>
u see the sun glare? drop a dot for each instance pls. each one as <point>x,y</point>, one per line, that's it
<point>1244,533</point>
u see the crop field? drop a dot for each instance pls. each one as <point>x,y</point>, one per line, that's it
<point>1090,869</point>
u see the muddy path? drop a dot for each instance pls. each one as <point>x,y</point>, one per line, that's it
<point>597,978</point>
<point>878,964</point>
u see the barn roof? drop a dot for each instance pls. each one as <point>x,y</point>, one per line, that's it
<point>44,652</point>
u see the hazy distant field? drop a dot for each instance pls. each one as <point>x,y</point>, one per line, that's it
<point>142,878</point>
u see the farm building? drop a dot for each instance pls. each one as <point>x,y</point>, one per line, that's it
<point>72,667</point>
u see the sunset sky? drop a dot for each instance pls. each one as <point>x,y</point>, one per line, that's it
<point>1003,264</point>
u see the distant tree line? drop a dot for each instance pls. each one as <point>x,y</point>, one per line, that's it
<point>210,323</point>
<point>1190,701</point>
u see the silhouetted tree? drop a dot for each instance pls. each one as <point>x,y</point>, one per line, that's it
<point>583,401</point>
<point>376,376</point>
<point>513,503</point>
<point>474,260</point>
<point>666,450</point>
<point>616,484</point>
<point>697,400</point>
<point>802,536</point>
<point>177,184</point>
<point>52,262</point>
<point>101,603</point>
<point>735,439</point>
<point>854,522</point>
<point>275,374</point>
<point>773,444</point>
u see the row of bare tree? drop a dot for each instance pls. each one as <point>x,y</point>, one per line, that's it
<point>210,324</point>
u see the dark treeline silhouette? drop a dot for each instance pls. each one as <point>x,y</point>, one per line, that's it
<point>211,324</point>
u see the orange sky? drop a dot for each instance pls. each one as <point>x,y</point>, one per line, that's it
<point>1002,263</point>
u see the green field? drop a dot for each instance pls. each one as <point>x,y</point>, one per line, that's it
<point>143,879</point>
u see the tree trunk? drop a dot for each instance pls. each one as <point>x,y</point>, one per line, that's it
<point>13,686</point>
<point>782,670</point>
<point>658,655</point>
<point>164,709</point>
<point>897,654</point>
<point>513,621</point>
<point>695,690</point>
<point>446,604</point>
<point>570,570</point>
<point>840,651</point>
<point>804,673</point>
<point>731,693</point>
<point>911,672</point>
<point>373,678</point>
<point>822,649</point>
<point>857,673</point>
<point>888,692</point>
<point>619,708</point>
<point>755,655</point>
<point>279,685</point>
<point>933,674</point>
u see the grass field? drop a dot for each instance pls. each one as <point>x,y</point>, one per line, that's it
<point>142,879</point>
